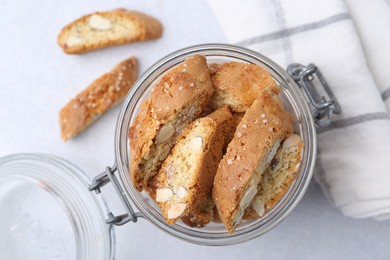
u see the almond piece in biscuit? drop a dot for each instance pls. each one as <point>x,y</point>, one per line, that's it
<point>102,29</point>
<point>254,144</point>
<point>238,84</point>
<point>102,94</point>
<point>278,177</point>
<point>176,100</point>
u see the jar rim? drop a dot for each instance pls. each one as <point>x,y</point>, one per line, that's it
<point>64,184</point>
<point>308,134</point>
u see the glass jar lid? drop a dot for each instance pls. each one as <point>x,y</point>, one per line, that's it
<point>48,212</point>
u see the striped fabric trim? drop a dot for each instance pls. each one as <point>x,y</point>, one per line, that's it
<point>386,94</point>
<point>280,18</point>
<point>295,30</point>
<point>355,120</point>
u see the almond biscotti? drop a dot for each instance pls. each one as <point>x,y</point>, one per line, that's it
<point>278,177</point>
<point>204,212</point>
<point>255,143</point>
<point>102,29</point>
<point>186,177</point>
<point>102,94</point>
<point>176,100</point>
<point>238,84</point>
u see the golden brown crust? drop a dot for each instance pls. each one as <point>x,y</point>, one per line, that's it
<point>237,117</point>
<point>263,122</point>
<point>226,122</point>
<point>238,84</point>
<point>176,100</point>
<point>98,97</point>
<point>75,37</point>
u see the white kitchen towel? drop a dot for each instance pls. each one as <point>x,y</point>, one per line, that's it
<point>353,165</point>
<point>372,21</point>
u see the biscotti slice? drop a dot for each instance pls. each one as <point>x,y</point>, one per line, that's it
<point>278,177</point>
<point>186,177</point>
<point>176,100</point>
<point>102,29</point>
<point>102,94</point>
<point>238,84</point>
<point>204,213</point>
<point>254,144</point>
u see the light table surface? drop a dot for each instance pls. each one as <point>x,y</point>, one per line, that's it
<point>37,79</point>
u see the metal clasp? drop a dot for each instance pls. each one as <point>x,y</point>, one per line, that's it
<point>109,176</point>
<point>322,102</point>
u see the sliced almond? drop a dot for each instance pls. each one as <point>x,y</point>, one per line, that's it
<point>196,143</point>
<point>176,210</point>
<point>181,192</point>
<point>248,196</point>
<point>74,40</point>
<point>98,22</point>
<point>165,133</point>
<point>291,142</point>
<point>164,194</point>
<point>170,173</point>
<point>258,206</point>
<point>169,169</point>
<point>191,112</point>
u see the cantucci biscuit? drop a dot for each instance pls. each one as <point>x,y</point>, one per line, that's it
<point>238,84</point>
<point>251,151</point>
<point>186,177</point>
<point>102,29</point>
<point>102,94</point>
<point>204,212</point>
<point>176,100</point>
<point>278,177</point>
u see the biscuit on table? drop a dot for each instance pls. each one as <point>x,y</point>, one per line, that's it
<point>103,29</point>
<point>102,94</point>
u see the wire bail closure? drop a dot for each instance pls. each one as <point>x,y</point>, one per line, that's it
<point>322,102</point>
<point>109,176</point>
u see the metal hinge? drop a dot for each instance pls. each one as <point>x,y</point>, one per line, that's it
<point>322,102</point>
<point>109,176</point>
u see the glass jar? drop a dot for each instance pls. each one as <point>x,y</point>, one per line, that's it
<point>215,233</point>
<point>74,226</point>
<point>89,218</point>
